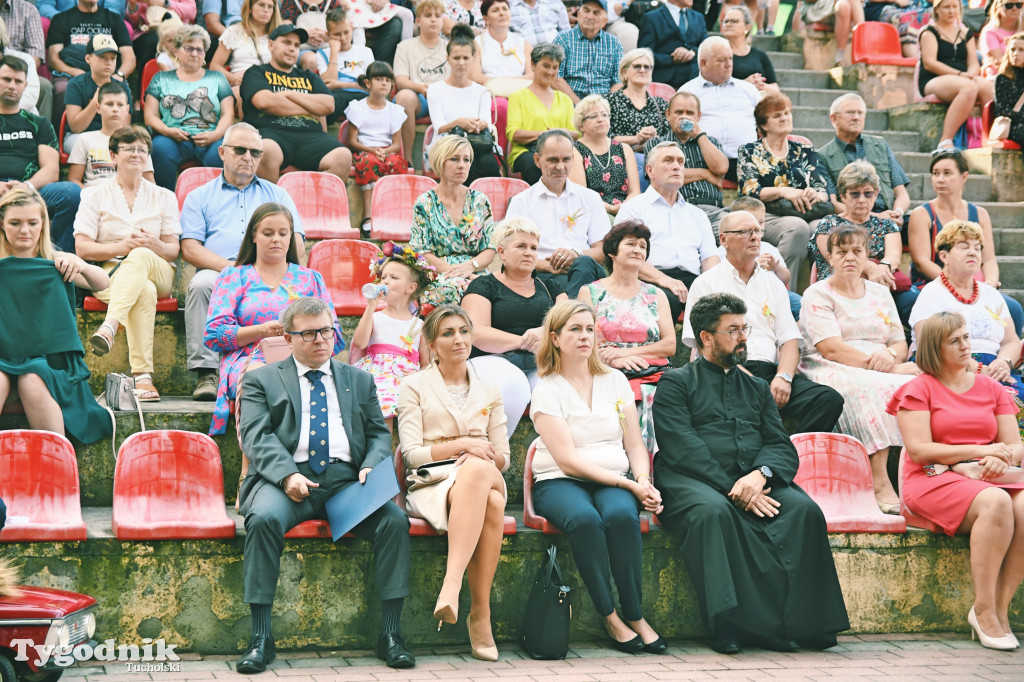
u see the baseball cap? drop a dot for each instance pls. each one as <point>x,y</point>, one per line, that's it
<point>285,29</point>
<point>101,44</point>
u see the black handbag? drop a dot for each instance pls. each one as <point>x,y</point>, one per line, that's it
<point>638,8</point>
<point>546,624</point>
<point>785,207</point>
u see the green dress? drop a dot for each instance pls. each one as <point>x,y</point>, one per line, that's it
<point>39,335</point>
<point>763,577</point>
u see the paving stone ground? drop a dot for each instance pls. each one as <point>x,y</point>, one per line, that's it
<point>863,658</point>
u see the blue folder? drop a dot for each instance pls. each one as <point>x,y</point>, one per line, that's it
<point>348,507</point>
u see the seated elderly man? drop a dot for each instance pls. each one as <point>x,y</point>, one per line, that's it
<point>572,218</point>
<point>754,543</point>
<point>682,244</point>
<point>592,55</point>
<point>727,103</point>
<point>213,222</point>
<point>289,105</point>
<point>848,114</point>
<point>706,163</point>
<point>774,338</point>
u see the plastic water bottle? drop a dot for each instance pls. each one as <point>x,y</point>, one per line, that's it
<point>686,125</point>
<point>371,290</point>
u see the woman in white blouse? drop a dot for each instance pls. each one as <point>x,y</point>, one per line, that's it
<point>503,54</point>
<point>130,226</point>
<point>246,43</point>
<point>591,469</point>
<point>459,103</point>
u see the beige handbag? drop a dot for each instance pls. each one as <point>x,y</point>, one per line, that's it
<point>429,474</point>
<point>1001,126</point>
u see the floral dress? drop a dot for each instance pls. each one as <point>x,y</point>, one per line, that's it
<point>434,231</point>
<point>627,120</point>
<point>869,323</point>
<point>627,324</point>
<point>391,354</point>
<point>606,173</point>
<point>461,15</point>
<point>876,227</point>
<point>241,299</point>
<point>758,167</point>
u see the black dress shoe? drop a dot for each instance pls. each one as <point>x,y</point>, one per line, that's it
<point>391,649</point>
<point>725,645</point>
<point>258,656</point>
<point>658,646</point>
<point>632,646</point>
<point>772,643</point>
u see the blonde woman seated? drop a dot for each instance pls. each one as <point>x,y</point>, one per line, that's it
<point>131,227</point>
<point>947,415</point>
<point>591,469</point>
<point>450,415</point>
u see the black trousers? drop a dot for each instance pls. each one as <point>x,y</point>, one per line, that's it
<point>686,277</point>
<point>383,40</point>
<point>817,407</point>
<point>269,514</point>
<point>525,165</point>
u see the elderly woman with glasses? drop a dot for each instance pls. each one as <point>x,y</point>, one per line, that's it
<point>189,109</point>
<point>748,62</point>
<point>602,164</point>
<point>636,116</point>
<point>131,227</point>
<point>853,341</point>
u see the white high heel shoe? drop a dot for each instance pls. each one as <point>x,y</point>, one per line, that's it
<point>1004,643</point>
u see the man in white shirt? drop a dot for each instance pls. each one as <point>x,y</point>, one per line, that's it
<point>571,218</point>
<point>726,103</point>
<point>773,339</point>
<point>682,243</point>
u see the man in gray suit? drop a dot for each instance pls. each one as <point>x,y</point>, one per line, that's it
<point>298,463</point>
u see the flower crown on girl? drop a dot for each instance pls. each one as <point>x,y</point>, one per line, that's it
<point>425,272</point>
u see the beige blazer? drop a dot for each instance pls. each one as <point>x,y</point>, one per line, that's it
<point>427,416</point>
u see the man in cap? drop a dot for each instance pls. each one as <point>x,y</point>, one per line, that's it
<point>592,55</point>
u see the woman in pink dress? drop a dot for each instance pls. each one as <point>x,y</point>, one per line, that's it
<point>950,414</point>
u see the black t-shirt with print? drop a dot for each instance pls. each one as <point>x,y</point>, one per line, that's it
<point>20,137</point>
<point>74,28</point>
<point>266,77</point>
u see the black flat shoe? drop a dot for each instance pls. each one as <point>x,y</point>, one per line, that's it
<point>392,650</point>
<point>725,645</point>
<point>658,646</point>
<point>258,656</point>
<point>773,644</point>
<point>632,646</point>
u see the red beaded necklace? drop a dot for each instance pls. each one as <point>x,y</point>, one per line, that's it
<point>956,294</point>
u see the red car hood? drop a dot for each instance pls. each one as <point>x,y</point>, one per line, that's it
<point>42,602</point>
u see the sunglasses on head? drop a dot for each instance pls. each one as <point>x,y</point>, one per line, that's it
<point>947,151</point>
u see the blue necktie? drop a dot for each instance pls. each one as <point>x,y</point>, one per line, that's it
<point>319,433</point>
<point>684,22</point>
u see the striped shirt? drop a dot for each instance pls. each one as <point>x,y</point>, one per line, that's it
<point>700,192</point>
<point>540,23</point>
<point>852,152</point>
<point>591,65</point>
<point>24,28</point>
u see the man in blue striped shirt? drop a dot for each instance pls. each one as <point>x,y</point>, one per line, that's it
<point>592,55</point>
<point>538,21</point>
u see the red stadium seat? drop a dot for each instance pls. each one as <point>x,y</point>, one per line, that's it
<point>428,139</point>
<point>190,178</point>
<point>418,527</point>
<point>663,90</point>
<point>878,42</point>
<point>64,155</point>
<point>988,116</point>
<point>799,138</point>
<point>322,200</point>
<point>822,27</point>
<point>834,471</point>
<point>391,205</point>
<point>95,305</point>
<point>912,518</point>
<point>345,266</point>
<point>531,519</point>
<point>314,528</point>
<point>169,485</point>
<point>148,71</point>
<point>500,191</point>
<point>39,483</point>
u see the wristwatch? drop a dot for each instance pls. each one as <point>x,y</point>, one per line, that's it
<point>476,266</point>
<point>765,471</point>
<point>788,378</point>
<point>886,264</point>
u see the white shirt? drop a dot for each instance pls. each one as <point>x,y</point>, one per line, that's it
<point>987,320</point>
<point>576,219</point>
<point>765,248</point>
<point>339,440</point>
<point>726,111</point>
<point>501,60</point>
<point>768,314</point>
<point>681,235</point>
<point>447,103</point>
<point>104,215</point>
<point>376,126</point>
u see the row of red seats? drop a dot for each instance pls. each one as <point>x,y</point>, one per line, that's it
<point>168,485</point>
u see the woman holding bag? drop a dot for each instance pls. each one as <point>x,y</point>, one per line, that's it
<point>1009,88</point>
<point>452,429</point>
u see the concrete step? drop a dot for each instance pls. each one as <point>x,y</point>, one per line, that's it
<point>820,98</point>
<point>904,141</point>
<point>977,190</point>
<point>786,60</point>
<point>817,117</point>
<point>768,43</point>
<point>790,79</point>
<point>1009,240</point>
<point>1011,271</point>
<point>913,161</point>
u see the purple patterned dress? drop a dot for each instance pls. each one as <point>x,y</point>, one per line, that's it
<point>241,299</point>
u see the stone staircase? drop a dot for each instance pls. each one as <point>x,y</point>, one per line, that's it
<point>812,92</point>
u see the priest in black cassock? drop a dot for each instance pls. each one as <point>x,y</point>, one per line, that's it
<point>754,543</point>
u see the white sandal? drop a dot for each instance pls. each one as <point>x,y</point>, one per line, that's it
<point>102,344</point>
